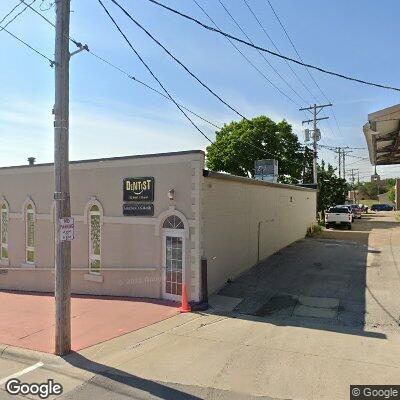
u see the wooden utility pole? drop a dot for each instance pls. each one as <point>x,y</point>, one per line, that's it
<point>61,179</point>
<point>315,110</point>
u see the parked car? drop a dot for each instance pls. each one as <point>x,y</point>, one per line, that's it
<point>381,207</point>
<point>348,206</point>
<point>364,208</point>
<point>357,212</point>
<point>338,216</point>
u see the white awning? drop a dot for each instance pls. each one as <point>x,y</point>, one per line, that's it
<point>382,133</point>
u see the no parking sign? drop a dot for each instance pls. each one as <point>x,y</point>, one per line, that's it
<point>67,227</point>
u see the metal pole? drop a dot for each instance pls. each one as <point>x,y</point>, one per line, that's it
<point>62,290</point>
<point>340,161</point>
<point>315,145</point>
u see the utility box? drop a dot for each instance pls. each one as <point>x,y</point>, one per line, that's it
<point>266,170</point>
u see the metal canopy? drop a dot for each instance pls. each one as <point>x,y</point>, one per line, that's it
<point>382,133</point>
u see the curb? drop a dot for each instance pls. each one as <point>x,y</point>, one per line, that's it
<point>28,356</point>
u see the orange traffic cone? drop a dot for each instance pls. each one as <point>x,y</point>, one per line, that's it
<point>185,304</point>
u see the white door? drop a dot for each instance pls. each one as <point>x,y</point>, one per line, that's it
<point>173,263</point>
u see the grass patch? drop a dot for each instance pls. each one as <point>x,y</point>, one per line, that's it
<point>314,230</point>
<point>368,202</point>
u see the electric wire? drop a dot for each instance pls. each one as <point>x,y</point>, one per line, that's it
<point>9,13</point>
<point>176,59</point>
<point>123,71</point>
<point>148,86</point>
<point>308,71</point>
<point>275,46</point>
<point>29,46</point>
<point>246,58</point>
<point>143,62</point>
<point>262,54</point>
<point>15,16</point>
<point>151,72</point>
<point>320,69</point>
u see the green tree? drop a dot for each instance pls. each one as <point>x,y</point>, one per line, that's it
<point>239,144</point>
<point>331,189</point>
<point>392,194</point>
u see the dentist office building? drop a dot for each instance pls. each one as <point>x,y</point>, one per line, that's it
<point>143,225</point>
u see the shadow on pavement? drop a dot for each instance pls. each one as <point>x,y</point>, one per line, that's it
<point>131,385</point>
<point>318,283</point>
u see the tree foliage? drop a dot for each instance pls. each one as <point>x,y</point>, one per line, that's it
<point>331,189</point>
<point>239,144</point>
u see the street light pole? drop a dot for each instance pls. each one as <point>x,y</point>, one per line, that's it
<point>62,290</point>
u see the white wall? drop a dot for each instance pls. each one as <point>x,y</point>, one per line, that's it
<point>244,220</point>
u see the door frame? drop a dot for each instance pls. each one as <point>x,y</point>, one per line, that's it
<point>173,233</point>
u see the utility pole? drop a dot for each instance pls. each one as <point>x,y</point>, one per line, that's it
<point>339,151</point>
<point>62,290</point>
<point>344,154</point>
<point>315,110</point>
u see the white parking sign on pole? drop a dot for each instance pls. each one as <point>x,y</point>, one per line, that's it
<point>67,229</point>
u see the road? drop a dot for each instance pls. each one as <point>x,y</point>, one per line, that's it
<point>306,323</point>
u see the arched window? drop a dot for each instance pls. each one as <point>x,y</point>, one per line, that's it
<point>30,233</point>
<point>173,222</point>
<point>4,232</point>
<point>94,239</point>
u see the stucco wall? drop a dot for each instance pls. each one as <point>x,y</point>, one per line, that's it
<point>131,250</point>
<point>244,221</point>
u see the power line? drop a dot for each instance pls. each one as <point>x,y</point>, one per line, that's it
<point>176,59</point>
<point>29,46</point>
<point>246,58</point>
<point>275,46</point>
<point>308,71</point>
<point>155,90</point>
<point>150,87</point>
<point>151,72</point>
<point>9,13</point>
<point>123,71</point>
<point>323,70</point>
<point>262,54</point>
<point>78,44</point>
<point>147,67</point>
<point>15,16</point>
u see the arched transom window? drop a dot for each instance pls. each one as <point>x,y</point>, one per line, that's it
<point>173,222</point>
<point>94,239</point>
<point>30,234</point>
<point>4,232</point>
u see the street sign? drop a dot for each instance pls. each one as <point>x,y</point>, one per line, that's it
<point>67,227</point>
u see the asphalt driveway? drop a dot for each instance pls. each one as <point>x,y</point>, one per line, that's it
<point>345,281</point>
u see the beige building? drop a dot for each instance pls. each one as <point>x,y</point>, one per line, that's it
<point>144,223</point>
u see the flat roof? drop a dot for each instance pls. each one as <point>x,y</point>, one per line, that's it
<point>243,179</point>
<point>93,160</point>
<point>382,134</point>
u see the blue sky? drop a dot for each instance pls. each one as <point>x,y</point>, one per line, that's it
<point>112,115</point>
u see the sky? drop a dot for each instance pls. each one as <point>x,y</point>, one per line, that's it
<point>111,115</point>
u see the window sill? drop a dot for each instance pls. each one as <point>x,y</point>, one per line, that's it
<point>5,262</point>
<point>28,265</point>
<point>94,278</point>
